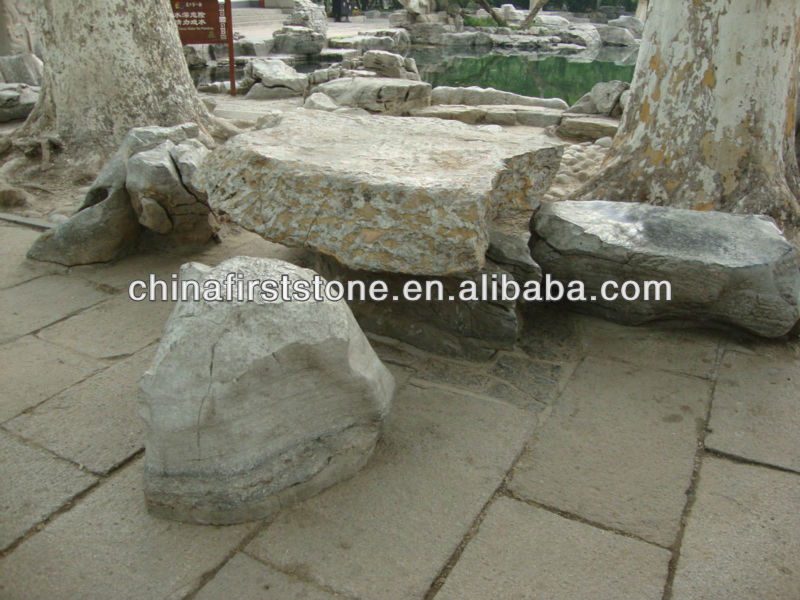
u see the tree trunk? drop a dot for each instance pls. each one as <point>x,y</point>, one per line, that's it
<point>492,12</point>
<point>17,31</point>
<point>641,10</point>
<point>536,6</point>
<point>110,65</point>
<point>711,119</point>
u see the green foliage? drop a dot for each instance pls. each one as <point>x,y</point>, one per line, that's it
<point>471,21</point>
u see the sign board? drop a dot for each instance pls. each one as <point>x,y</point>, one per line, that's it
<point>206,22</point>
<point>199,21</point>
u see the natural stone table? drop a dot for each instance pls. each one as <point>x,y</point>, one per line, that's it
<point>404,195</point>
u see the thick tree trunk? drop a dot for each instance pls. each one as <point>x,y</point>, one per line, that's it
<point>17,29</point>
<point>492,12</point>
<point>536,6</point>
<point>641,10</point>
<point>710,124</point>
<point>110,65</point>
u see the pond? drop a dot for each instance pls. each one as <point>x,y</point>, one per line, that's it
<point>526,74</point>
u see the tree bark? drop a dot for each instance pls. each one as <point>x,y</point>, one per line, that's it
<point>641,10</point>
<point>17,31</point>
<point>493,13</point>
<point>536,6</point>
<point>110,65</point>
<point>711,119</point>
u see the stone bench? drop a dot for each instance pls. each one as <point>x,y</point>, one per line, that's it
<point>735,269</point>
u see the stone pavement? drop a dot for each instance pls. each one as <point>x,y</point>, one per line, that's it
<point>595,461</point>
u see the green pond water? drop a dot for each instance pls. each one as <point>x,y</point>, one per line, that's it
<point>526,74</point>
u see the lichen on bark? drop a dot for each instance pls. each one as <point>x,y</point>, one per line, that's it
<point>711,120</point>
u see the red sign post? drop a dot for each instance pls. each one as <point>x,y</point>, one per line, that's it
<point>205,22</point>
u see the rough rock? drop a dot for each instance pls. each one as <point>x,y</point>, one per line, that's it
<point>107,224</point>
<point>308,14</point>
<point>421,206</point>
<point>388,40</point>
<point>735,269</point>
<point>461,328</point>
<point>616,36</point>
<point>583,34</point>
<point>320,101</point>
<point>251,406</point>
<point>551,20</point>
<point>495,114</point>
<point>197,55</point>
<point>274,73</point>
<point>510,251</point>
<point>297,40</point>
<point>387,64</point>
<point>474,95</point>
<point>602,99</point>
<point>261,92</point>
<point>21,68</point>
<point>188,157</point>
<point>17,101</point>
<point>400,18</point>
<point>103,232</point>
<point>632,24</point>
<point>429,34</point>
<point>467,39</point>
<point>587,127</point>
<point>510,14</point>
<point>378,94</point>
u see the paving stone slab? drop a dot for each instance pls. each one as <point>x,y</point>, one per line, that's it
<point>38,303</point>
<point>95,423</point>
<point>618,449</point>
<point>686,351</point>
<point>742,540</point>
<point>14,267</point>
<point>541,380</point>
<point>109,547</point>
<point>35,484</point>
<point>387,532</point>
<point>245,578</point>
<point>120,274</point>
<point>755,412</point>
<point>522,551</point>
<point>118,327</point>
<point>34,370</point>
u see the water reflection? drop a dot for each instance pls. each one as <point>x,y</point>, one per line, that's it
<point>528,74</point>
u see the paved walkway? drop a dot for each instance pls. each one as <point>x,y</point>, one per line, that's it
<point>260,23</point>
<point>596,461</point>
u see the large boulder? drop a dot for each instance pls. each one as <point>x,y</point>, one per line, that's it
<point>292,39</point>
<point>582,34</point>
<point>378,94</point>
<point>412,196</point>
<point>474,95</point>
<point>616,36</point>
<point>21,68</point>
<point>17,101</point>
<point>275,75</point>
<point>253,405</point>
<point>144,195</point>
<point>632,24</point>
<point>388,64</point>
<point>735,269</point>
<point>587,127</point>
<point>308,14</point>
<point>603,99</point>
